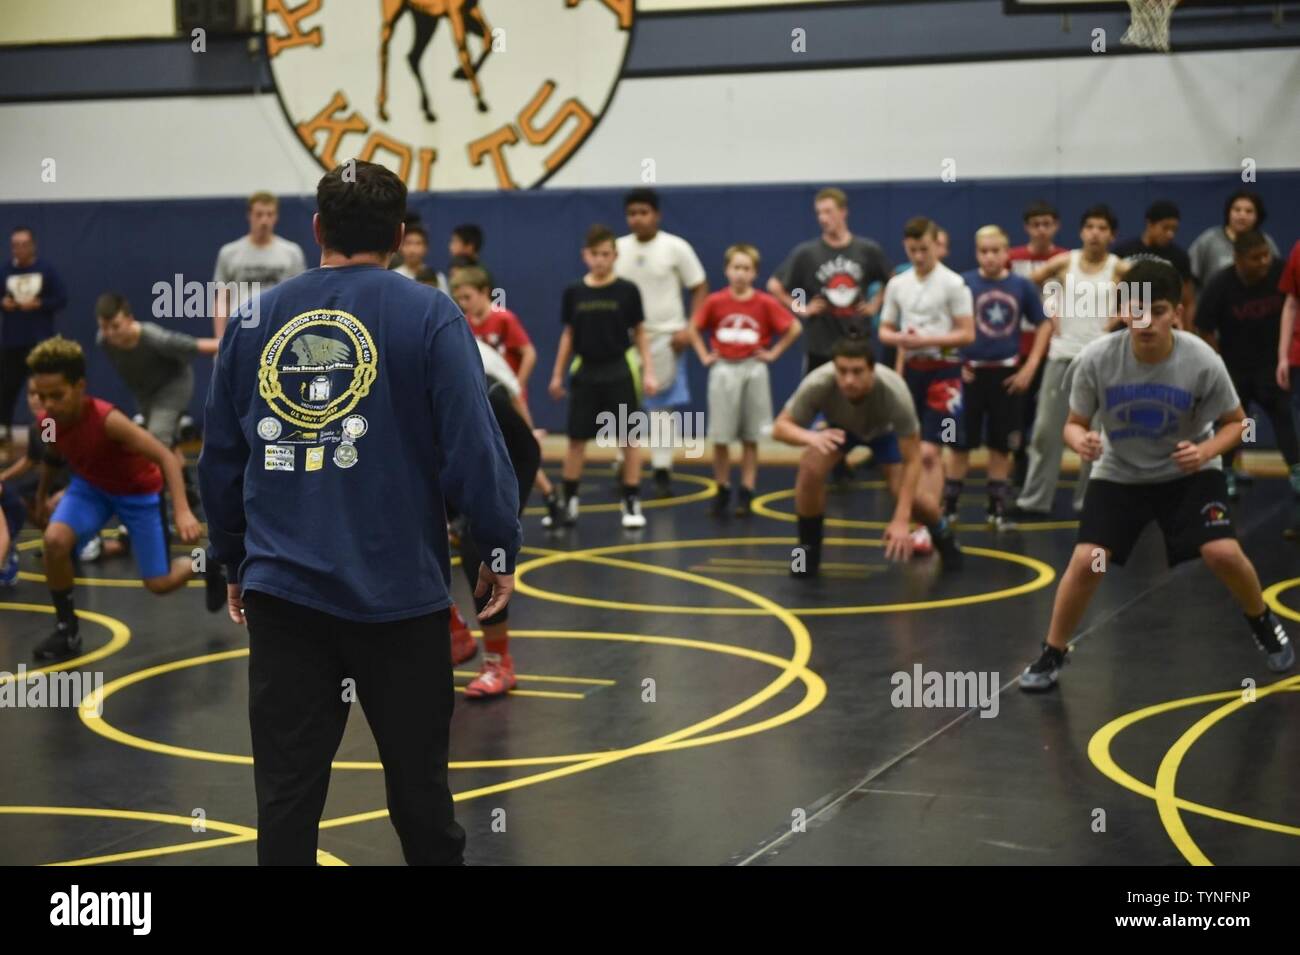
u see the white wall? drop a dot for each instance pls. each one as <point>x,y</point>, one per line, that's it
<point>1091,116</point>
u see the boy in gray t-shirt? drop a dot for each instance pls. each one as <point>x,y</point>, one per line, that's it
<point>1154,392</point>
<point>868,404</point>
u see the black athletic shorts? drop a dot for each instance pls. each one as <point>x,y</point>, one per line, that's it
<point>1190,511</point>
<point>986,401</point>
<point>596,389</point>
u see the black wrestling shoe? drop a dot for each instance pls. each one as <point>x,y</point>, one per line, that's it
<point>63,643</point>
<point>1042,674</point>
<point>663,482</point>
<point>554,511</point>
<point>1272,639</point>
<point>945,542</point>
<point>722,500</point>
<point>745,502</point>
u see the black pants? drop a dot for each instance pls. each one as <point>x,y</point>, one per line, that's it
<point>298,661</point>
<point>1258,386</point>
<point>13,374</point>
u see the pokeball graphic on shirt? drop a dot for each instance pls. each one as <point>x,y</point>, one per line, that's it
<point>841,291</point>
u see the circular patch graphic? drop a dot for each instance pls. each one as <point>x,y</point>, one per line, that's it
<point>268,429</point>
<point>345,455</point>
<point>449,94</point>
<point>354,426</point>
<point>317,367</point>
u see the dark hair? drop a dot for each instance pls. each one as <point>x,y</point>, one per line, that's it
<point>109,304</point>
<point>1166,284</point>
<point>360,213</point>
<point>1041,207</point>
<point>597,235</point>
<point>1162,209</point>
<point>918,227</point>
<point>470,235</point>
<point>1254,198</point>
<point>415,229</point>
<point>644,196</point>
<point>1099,211</point>
<point>58,356</point>
<point>854,346</point>
<point>1248,242</point>
<point>461,262</point>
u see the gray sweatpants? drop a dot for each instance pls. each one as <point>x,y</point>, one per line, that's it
<point>1049,441</point>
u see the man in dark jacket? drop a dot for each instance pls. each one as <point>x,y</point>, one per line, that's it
<point>339,418</point>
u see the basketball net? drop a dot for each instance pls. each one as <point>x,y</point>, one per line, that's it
<point>1149,27</point>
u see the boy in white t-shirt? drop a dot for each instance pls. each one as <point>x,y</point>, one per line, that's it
<point>928,317</point>
<point>661,265</point>
<point>1078,290</point>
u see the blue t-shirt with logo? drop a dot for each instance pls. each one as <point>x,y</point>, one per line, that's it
<point>341,414</point>
<point>999,306</point>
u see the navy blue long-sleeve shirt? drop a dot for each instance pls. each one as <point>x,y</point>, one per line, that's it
<point>337,421</point>
<point>22,328</point>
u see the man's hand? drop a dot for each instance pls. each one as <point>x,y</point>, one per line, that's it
<point>10,303</point>
<point>187,526</point>
<point>556,389</point>
<point>680,341</point>
<point>827,441</point>
<point>500,586</point>
<point>864,309</point>
<point>1090,447</point>
<point>1284,375</point>
<point>1020,381</point>
<point>765,355</point>
<point>1189,456</point>
<point>898,540</point>
<point>649,384</point>
<point>709,358</point>
<point>31,306</point>
<point>235,603</point>
<point>815,306</point>
<point>968,374</point>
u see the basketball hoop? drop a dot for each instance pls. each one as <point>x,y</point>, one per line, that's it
<point>1149,27</point>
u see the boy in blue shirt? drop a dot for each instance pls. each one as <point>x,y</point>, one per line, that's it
<point>994,387</point>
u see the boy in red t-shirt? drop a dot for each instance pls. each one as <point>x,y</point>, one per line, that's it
<point>742,322</point>
<point>117,468</point>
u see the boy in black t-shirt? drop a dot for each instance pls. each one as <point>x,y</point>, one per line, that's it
<point>1240,313</point>
<point>601,315</point>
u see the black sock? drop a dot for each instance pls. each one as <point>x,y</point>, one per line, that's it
<point>951,491</point>
<point>570,488</point>
<point>810,530</point>
<point>939,527</point>
<point>63,609</point>
<point>997,495</point>
<point>631,492</point>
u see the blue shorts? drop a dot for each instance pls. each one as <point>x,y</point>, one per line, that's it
<point>884,448</point>
<point>937,394</point>
<point>85,508</point>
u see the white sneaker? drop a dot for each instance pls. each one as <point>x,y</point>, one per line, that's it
<point>571,511</point>
<point>632,516</point>
<point>90,553</point>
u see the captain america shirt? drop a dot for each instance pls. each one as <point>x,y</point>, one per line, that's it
<point>1000,307</point>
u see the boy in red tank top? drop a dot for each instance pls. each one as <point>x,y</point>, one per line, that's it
<point>118,468</point>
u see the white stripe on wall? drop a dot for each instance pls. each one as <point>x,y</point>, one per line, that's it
<point>1184,113</point>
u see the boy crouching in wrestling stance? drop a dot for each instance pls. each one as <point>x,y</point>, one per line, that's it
<point>864,403</point>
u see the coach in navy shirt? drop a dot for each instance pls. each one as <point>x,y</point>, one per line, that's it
<point>345,407</point>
